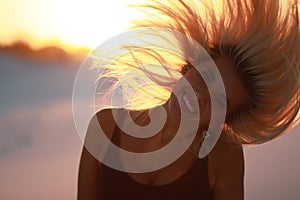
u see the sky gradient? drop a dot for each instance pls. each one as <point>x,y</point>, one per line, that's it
<point>67,22</point>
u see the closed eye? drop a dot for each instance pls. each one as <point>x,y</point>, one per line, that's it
<point>186,68</point>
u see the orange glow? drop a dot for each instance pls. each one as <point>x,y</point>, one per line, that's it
<point>66,23</point>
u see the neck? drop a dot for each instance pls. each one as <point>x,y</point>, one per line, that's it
<point>169,130</point>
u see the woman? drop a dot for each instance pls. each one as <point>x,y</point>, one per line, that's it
<point>255,46</point>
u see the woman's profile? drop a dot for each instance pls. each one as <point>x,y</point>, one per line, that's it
<point>253,44</point>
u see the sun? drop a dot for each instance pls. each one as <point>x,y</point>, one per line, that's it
<point>90,22</point>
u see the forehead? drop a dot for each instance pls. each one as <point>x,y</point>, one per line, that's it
<point>234,86</point>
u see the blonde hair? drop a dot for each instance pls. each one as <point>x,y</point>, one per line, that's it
<point>261,38</point>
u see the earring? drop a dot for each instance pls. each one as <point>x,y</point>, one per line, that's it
<point>205,134</point>
<point>204,146</point>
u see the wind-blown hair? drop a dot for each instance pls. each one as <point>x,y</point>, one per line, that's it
<point>261,38</point>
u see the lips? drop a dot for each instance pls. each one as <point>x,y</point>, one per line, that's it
<point>187,103</point>
<point>189,100</point>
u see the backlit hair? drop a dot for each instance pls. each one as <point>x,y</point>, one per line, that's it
<point>261,38</point>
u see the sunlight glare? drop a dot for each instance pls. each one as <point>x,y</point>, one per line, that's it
<point>90,22</point>
<point>70,22</point>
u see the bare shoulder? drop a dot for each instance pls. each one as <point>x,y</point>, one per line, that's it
<point>106,120</point>
<point>225,151</point>
<point>102,122</point>
<point>88,183</point>
<point>226,166</point>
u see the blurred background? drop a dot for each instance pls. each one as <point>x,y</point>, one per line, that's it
<point>42,44</point>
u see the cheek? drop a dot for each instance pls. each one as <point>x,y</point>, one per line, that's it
<point>173,107</point>
<point>205,114</point>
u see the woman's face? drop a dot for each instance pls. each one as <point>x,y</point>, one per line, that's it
<point>236,94</point>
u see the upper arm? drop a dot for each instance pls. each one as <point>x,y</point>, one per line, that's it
<point>89,166</point>
<point>88,177</point>
<point>227,163</point>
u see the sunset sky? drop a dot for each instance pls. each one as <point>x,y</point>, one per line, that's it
<point>64,22</point>
<point>69,22</point>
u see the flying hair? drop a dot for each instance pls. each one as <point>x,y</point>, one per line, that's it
<point>260,37</point>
